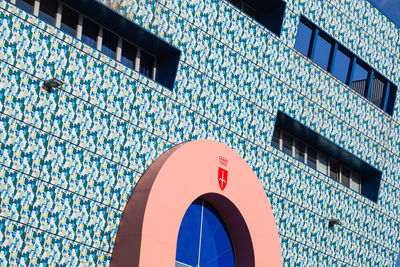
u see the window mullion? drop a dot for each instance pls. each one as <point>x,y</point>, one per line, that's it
<point>332,56</point>
<point>119,50</point>
<point>58,15</point>
<point>137,60</point>
<point>305,153</point>
<point>351,72</point>
<point>79,27</point>
<point>387,89</point>
<point>99,38</point>
<point>369,86</point>
<point>313,42</point>
<point>36,6</point>
<point>154,68</point>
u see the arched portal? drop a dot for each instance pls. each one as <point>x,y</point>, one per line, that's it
<point>148,232</point>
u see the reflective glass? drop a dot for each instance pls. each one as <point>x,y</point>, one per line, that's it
<point>146,64</point>
<point>128,55</point>
<point>334,169</point>
<point>237,3</point>
<point>300,149</point>
<point>189,235</point>
<point>345,177</point>
<point>360,76</point>
<point>276,138</point>
<point>322,163</point>
<point>26,5</point>
<point>48,10</point>
<point>109,43</point>
<point>311,157</point>
<point>287,143</point>
<point>377,91</point>
<point>341,67</point>
<point>355,182</point>
<point>303,38</point>
<point>90,31</point>
<point>322,52</point>
<point>203,239</point>
<point>391,99</point>
<point>69,20</point>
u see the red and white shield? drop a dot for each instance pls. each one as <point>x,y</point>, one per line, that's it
<point>222,178</point>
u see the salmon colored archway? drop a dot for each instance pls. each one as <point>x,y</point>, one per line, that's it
<point>148,231</point>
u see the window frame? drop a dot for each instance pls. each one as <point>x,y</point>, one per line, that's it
<point>319,154</point>
<point>98,44</point>
<point>385,105</point>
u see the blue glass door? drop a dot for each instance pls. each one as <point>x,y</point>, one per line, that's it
<point>203,239</point>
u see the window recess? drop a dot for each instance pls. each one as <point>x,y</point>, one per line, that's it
<point>326,52</point>
<point>112,34</point>
<point>267,13</point>
<point>305,145</point>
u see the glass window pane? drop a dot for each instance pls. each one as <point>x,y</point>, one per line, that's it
<point>287,143</point>
<point>26,5</point>
<point>345,176</point>
<point>355,182</point>
<point>311,157</point>
<point>341,67</point>
<point>276,137</point>
<point>146,64</point>
<point>391,99</point>
<point>303,38</point>
<point>128,55</point>
<point>249,10</point>
<point>300,149</point>
<point>109,43</point>
<point>377,91</point>
<point>333,169</point>
<point>322,165</point>
<point>90,32</point>
<point>236,3</point>
<point>69,20</point>
<point>48,10</point>
<point>360,76</point>
<point>322,52</point>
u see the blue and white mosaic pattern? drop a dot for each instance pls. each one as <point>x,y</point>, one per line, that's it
<point>70,159</point>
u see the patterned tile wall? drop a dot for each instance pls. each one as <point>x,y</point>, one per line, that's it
<point>70,159</point>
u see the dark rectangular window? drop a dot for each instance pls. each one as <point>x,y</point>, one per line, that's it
<point>69,20</point>
<point>109,43</point>
<point>345,176</point>
<point>360,78</point>
<point>319,153</point>
<point>334,169</point>
<point>128,56</point>
<point>90,31</point>
<point>268,13</point>
<point>300,149</point>
<point>377,91</point>
<point>341,65</point>
<point>26,5</point>
<point>322,52</point>
<point>287,143</point>
<point>48,10</point>
<point>391,99</point>
<point>345,66</point>
<point>159,61</point>
<point>303,39</point>
<point>146,64</point>
<point>311,157</point>
<point>276,138</point>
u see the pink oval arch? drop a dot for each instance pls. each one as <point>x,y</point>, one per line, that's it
<point>148,231</point>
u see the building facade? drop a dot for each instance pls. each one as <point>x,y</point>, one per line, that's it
<point>303,90</point>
